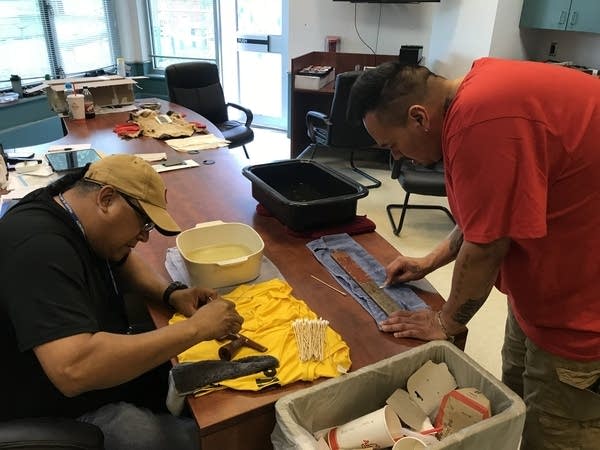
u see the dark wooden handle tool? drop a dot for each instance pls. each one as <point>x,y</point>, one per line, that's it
<point>228,351</point>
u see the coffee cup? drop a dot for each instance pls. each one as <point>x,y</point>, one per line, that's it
<point>76,106</point>
<point>376,429</point>
<point>414,442</point>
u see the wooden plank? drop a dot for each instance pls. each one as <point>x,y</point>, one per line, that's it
<point>377,294</point>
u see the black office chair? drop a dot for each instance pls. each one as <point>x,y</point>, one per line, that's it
<point>335,131</point>
<point>50,434</point>
<point>196,85</point>
<point>417,179</point>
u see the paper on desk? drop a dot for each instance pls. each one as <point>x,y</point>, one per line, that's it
<point>21,184</point>
<point>43,170</point>
<point>152,157</point>
<point>199,142</point>
<point>66,147</point>
<point>184,165</point>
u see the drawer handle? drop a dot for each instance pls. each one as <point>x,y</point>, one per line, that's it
<point>574,17</point>
<point>563,17</point>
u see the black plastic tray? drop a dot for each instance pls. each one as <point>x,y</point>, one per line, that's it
<point>304,194</point>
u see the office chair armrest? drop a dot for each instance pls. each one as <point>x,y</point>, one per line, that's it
<point>249,115</point>
<point>50,432</point>
<point>313,120</point>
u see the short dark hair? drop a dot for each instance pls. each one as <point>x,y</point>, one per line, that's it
<point>85,186</point>
<point>389,90</point>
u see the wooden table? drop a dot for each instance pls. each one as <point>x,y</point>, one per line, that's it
<point>231,419</point>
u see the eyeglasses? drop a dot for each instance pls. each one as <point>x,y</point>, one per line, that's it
<point>148,224</point>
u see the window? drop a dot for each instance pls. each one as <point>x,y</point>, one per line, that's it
<point>56,37</point>
<point>182,30</point>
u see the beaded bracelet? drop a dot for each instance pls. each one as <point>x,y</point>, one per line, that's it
<point>444,329</point>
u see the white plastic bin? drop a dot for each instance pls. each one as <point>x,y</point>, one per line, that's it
<point>342,399</point>
<point>218,254</point>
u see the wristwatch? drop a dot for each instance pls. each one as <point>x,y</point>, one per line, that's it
<point>174,286</point>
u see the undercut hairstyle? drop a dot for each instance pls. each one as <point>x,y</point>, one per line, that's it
<point>388,90</point>
<point>85,186</point>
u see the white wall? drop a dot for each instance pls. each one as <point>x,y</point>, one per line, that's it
<point>581,48</point>
<point>312,20</point>
<point>453,32</point>
<point>461,32</point>
<point>506,38</point>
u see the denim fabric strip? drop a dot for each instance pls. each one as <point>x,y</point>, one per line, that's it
<point>403,296</point>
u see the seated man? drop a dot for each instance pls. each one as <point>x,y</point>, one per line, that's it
<point>67,259</point>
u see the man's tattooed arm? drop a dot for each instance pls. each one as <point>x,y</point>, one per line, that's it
<point>475,272</point>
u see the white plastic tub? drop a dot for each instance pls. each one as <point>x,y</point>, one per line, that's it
<point>218,254</point>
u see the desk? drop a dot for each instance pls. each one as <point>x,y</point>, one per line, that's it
<point>244,420</point>
<point>304,100</point>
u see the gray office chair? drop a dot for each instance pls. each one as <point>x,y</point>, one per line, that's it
<point>336,131</point>
<point>417,179</point>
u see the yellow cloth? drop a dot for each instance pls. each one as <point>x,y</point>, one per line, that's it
<point>268,310</point>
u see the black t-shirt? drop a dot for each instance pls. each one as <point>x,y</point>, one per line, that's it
<point>54,286</point>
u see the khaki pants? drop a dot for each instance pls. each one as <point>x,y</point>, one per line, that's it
<point>562,396</point>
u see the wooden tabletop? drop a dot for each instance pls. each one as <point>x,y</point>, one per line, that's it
<point>220,192</point>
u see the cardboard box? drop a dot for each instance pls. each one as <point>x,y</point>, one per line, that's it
<point>426,388</point>
<point>107,90</point>
<point>342,399</point>
<point>460,409</point>
<point>314,80</point>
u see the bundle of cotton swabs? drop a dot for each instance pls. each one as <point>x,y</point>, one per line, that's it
<point>310,338</point>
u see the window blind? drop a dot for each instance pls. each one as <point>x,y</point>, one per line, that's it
<point>182,30</point>
<point>56,37</point>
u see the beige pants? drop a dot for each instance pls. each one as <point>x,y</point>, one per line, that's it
<point>562,396</point>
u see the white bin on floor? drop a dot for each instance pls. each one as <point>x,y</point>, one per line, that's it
<point>339,400</point>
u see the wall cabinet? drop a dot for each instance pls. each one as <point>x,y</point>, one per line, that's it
<point>570,15</point>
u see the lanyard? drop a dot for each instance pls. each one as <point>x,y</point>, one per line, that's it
<point>72,213</point>
<point>69,209</point>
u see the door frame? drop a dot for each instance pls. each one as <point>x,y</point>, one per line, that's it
<point>229,61</point>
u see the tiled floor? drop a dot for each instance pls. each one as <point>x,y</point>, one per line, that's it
<point>422,230</point>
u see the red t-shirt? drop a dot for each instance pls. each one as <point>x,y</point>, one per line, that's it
<point>521,143</point>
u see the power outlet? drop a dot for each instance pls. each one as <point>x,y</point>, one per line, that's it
<point>553,49</point>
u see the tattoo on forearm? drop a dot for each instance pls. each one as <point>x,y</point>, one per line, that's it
<point>458,282</point>
<point>456,240</point>
<point>467,310</point>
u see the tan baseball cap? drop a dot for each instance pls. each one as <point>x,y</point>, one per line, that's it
<point>137,179</point>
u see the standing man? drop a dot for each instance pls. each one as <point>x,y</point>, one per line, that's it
<point>520,142</point>
<point>67,259</point>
